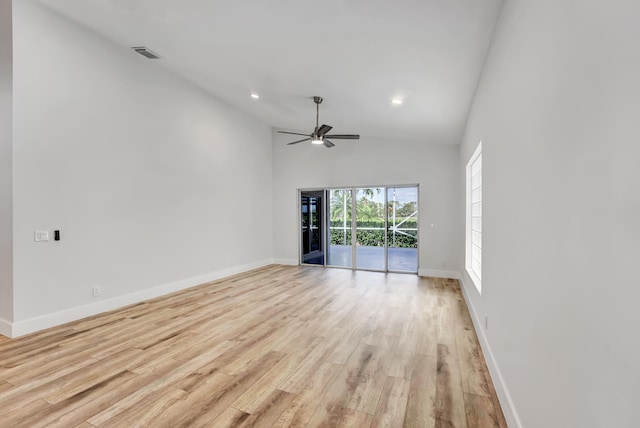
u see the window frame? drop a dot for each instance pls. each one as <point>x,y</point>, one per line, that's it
<point>476,277</point>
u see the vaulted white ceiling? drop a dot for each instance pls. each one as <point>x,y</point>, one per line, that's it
<point>357,54</point>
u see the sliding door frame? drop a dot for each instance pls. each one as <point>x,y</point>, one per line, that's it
<point>354,238</point>
<point>299,224</point>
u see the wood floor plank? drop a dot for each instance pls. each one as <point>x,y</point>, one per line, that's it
<point>310,397</point>
<point>230,418</point>
<point>375,334</point>
<point>334,409</point>
<point>402,363</point>
<point>393,403</point>
<point>480,412</point>
<point>356,333</point>
<point>19,417</point>
<point>354,419</point>
<point>395,323</point>
<point>13,398</point>
<point>428,336</point>
<point>59,358</point>
<point>253,397</point>
<point>15,352</point>
<point>92,375</point>
<point>502,422</point>
<point>50,416</point>
<point>197,404</point>
<point>77,409</point>
<point>150,411</point>
<point>358,386</point>
<point>175,375</point>
<point>279,346</point>
<point>446,332</point>
<point>270,410</point>
<point>449,405</point>
<point>371,376</point>
<point>203,405</point>
<point>5,386</point>
<point>422,394</point>
<point>472,367</point>
<point>312,362</point>
<point>240,359</point>
<point>170,349</point>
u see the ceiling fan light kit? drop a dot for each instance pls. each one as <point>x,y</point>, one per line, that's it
<point>320,133</point>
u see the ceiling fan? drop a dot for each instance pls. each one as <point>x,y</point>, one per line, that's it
<point>319,134</point>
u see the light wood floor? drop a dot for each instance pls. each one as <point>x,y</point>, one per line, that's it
<point>275,347</point>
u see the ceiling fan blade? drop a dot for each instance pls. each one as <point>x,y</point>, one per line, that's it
<point>344,136</point>
<point>293,133</point>
<point>323,130</point>
<point>299,141</point>
<point>328,144</point>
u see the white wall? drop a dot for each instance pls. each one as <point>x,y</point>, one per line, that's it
<point>151,181</point>
<point>558,114</point>
<point>6,209</point>
<point>372,161</point>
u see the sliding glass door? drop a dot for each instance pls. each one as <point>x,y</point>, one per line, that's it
<point>370,228</point>
<point>311,223</point>
<point>402,230</point>
<point>340,251</point>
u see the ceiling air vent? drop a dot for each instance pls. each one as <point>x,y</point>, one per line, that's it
<point>145,52</point>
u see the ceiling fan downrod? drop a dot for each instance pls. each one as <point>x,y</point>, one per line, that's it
<point>317,100</point>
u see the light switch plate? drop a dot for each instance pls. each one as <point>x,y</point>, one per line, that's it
<point>41,235</point>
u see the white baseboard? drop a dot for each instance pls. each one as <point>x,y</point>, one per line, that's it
<point>508,408</point>
<point>288,262</point>
<point>32,325</point>
<point>437,273</point>
<point>5,328</point>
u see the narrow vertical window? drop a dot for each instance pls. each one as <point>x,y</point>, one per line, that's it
<point>473,260</point>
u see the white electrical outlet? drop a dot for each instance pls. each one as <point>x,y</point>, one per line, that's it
<point>96,291</point>
<point>41,235</point>
<point>486,322</point>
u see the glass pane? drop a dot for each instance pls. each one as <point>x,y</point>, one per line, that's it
<point>476,238</point>
<point>476,167</point>
<point>315,224</point>
<point>370,228</point>
<point>402,231</point>
<point>476,209</point>
<point>476,180</point>
<point>340,205</point>
<point>312,235</point>
<point>476,253</point>
<point>476,195</point>
<point>304,206</point>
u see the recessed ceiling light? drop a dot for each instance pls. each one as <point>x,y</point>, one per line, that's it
<point>255,96</point>
<point>396,101</point>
